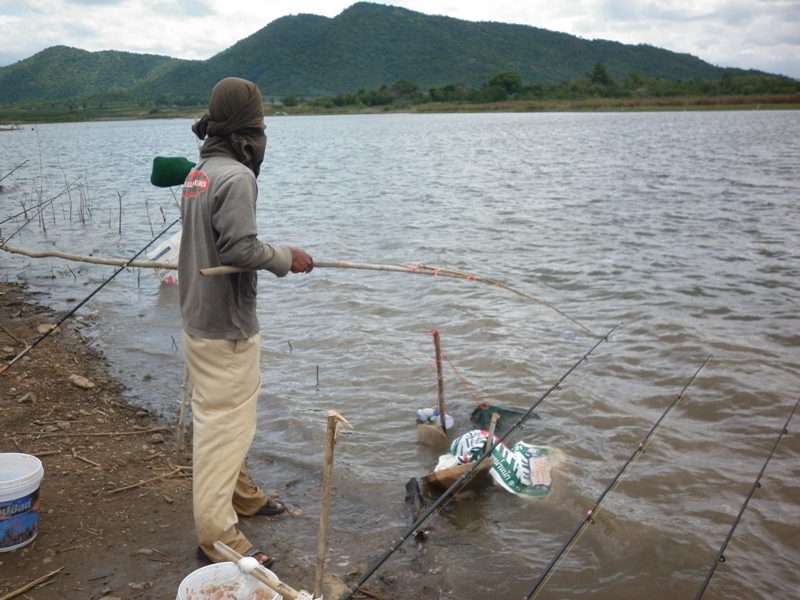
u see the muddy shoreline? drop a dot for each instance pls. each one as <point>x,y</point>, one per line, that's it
<point>116,517</point>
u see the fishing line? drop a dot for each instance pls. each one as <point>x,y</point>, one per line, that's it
<point>85,300</point>
<point>720,558</point>
<point>463,380</point>
<point>589,516</point>
<point>417,269</point>
<point>449,492</point>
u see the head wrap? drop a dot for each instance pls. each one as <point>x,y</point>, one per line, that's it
<point>234,123</point>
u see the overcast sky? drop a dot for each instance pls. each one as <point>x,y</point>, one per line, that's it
<point>750,34</point>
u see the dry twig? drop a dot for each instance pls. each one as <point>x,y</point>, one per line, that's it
<point>141,483</point>
<point>44,434</point>
<point>31,585</point>
<point>12,336</point>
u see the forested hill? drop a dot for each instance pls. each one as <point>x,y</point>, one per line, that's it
<point>366,46</point>
<point>63,73</point>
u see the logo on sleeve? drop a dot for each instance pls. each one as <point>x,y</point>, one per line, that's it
<point>195,183</point>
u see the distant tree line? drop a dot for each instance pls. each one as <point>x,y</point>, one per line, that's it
<point>598,83</point>
<point>505,86</point>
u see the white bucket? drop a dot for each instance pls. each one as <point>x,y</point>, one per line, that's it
<point>221,581</point>
<point>20,475</point>
<point>167,252</point>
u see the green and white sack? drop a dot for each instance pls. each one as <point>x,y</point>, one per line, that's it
<point>523,470</point>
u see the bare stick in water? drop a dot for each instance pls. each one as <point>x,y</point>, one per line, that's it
<point>440,380</point>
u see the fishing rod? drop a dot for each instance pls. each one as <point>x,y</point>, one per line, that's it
<point>14,169</point>
<point>457,484</point>
<point>720,558</point>
<point>590,514</point>
<point>85,300</point>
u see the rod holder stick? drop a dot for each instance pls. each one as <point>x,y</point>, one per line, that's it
<point>490,437</point>
<point>440,379</point>
<point>334,420</point>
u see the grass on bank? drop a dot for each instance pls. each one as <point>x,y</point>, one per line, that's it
<point>56,112</point>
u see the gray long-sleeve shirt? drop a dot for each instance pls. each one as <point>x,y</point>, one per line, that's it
<point>218,210</point>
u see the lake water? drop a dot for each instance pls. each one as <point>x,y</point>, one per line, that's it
<point>683,228</point>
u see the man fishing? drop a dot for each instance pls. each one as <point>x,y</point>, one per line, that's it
<point>220,326</point>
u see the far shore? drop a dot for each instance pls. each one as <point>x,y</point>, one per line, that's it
<point>12,116</point>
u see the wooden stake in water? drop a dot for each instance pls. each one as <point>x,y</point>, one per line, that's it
<point>334,419</point>
<point>430,434</point>
<point>490,437</point>
<point>440,380</point>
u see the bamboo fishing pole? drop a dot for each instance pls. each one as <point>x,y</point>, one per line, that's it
<point>592,512</point>
<point>460,482</point>
<point>97,260</point>
<point>415,269</point>
<point>226,270</point>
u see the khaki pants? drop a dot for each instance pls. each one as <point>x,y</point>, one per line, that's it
<point>227,380</point>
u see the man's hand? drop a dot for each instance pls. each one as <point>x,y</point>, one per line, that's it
<point>301,261</point>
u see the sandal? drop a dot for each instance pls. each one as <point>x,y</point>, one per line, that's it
<point>271,508</point>
<point>255,553</point>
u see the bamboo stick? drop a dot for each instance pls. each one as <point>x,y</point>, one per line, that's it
<point>490,437</point>
<point>226,270</point>
<point>334,419</point>
<point>271,581</point>
<point>98,260</point>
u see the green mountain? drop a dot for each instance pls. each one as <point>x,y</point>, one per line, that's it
<point>63,73</point>
<point>364,47</point>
